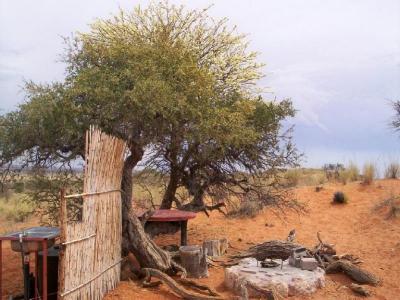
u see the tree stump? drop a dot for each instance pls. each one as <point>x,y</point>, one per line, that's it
<point>194,260</point>
<point>216,247</point>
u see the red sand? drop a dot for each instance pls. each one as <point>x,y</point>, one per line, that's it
<point>354,228</point>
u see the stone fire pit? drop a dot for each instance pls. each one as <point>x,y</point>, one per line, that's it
<point>288,281</point>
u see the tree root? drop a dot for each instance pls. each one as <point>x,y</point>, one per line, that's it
<point>175,287</point>
<point>199,287</point>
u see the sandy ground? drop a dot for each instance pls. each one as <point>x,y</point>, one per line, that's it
<point>354,228</point>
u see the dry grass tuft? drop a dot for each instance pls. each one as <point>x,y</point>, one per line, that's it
<point>369,173</point>
<point>390,206</point>
<point>15,209</point>
<point>392,170</point>
<point>246,209</point>
<point>353,172</point>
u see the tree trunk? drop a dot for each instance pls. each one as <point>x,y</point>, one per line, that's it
<point>169,195</point>
<point>197,204</point>
<point>216,247</point>
<point>134,239</point>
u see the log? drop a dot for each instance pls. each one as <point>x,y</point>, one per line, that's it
<point>216,247</point>
<point>354,272</point>
<point>194,260</point>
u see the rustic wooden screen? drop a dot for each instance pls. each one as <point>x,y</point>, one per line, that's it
<point>90,259</point>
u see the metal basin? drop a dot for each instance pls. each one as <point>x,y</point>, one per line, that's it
<point>30,246</point>
<point>33,239</point>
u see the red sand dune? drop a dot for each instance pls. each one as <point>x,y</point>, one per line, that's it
<point>354,228</point>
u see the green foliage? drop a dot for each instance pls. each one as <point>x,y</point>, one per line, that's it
<point>369,173</point>
<point>170,81</point>
<point>43,193</point>
<point>340,198</point>
<point>392,170</point>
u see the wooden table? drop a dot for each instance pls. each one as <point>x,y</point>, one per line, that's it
<point>169,215</point>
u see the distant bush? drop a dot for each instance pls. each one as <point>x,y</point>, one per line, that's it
<point>393,170</point>
<point>369,173</point>
<point>332,171</point>
<point>340,198</point>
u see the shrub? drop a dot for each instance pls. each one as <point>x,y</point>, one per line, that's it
<point>369,173</point>
<point>332,170</point>
<point>340,198</point>
<point>393,170</point>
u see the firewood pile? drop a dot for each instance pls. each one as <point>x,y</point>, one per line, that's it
<point>348,264</point>
<point>325,254</point>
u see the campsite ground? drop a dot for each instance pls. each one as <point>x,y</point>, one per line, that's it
<point>354,228</point>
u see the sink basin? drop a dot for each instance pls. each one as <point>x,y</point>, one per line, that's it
<point>30,246</point>
<point>33,238</point>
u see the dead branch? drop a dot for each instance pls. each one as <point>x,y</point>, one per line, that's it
<point>360,290</point>
<point>175,287</point>
<point>349,257</point>
<point>324,248</point>
<point>353,271</point>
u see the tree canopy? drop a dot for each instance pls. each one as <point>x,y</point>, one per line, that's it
<point>180,88</point>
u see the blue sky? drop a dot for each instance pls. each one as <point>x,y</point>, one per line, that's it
<point>338,60</point>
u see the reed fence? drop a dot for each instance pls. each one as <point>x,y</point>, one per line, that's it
<point>91,249</point>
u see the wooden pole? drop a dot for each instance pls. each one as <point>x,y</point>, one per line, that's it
<point>184,233</point>
<point>44,292</point>
<point>36,275</point>
<point>1,269</point>
<point>63,226</point>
